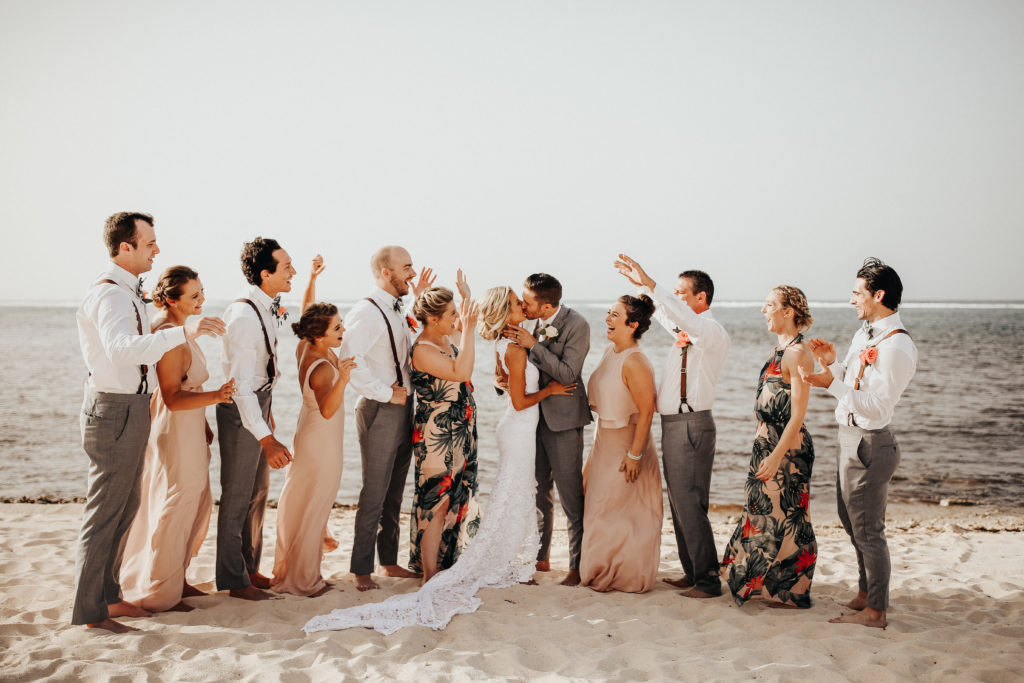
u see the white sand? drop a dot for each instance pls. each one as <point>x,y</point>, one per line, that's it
<point>957,614</point>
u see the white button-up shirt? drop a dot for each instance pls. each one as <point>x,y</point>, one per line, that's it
<point>108,331</point>
<point>366,338</point>
<point>709,345</point>
<point>884,380</point>
<point>245,355</point>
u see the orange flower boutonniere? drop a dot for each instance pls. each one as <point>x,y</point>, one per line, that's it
<point>869,355</point>
<point>682,339</point>
<point>413,325</point>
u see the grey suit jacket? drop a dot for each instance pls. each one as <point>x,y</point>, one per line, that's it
<point>562,359</point>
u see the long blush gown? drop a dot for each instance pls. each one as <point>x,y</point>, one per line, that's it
<point>621,520</point>
<point>174,513</point>
<point>310,488</point>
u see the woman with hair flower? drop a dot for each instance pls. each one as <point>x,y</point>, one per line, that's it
<point>773,551</point>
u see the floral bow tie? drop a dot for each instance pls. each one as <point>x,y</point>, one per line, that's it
<point>867,329</point>
<point>279,312</point>
<point>142,294</point>
<point>397,305</point>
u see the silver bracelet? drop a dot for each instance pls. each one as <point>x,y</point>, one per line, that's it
<point>633,457</point>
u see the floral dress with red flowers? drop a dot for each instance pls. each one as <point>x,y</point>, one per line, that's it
<point>444,444</point>
<point>773,550</point>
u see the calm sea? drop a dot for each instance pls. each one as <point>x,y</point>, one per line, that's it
<point>960,424</point>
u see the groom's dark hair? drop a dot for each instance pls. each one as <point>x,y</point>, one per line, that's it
<point>701,282</point>
<point>546,287</point>
<point>121,228</point>
<point>258,256</point>
<point>878,276</point>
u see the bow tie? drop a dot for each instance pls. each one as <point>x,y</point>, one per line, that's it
<point>397,305</point>
<point>867,329</point>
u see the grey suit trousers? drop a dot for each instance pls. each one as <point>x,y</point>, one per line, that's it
<point>244,482</point>
<point>385,446</point>
<point>688,453</point>
<point>560,463</point>
<point>115,429</point>
<point>867,461</point>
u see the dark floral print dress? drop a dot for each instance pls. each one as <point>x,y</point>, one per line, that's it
<point>444,444</point>
<point>773,550</point>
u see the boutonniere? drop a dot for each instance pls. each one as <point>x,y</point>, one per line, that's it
<point>682,339</point>
<point>413,325</point>
<point>142,294</point>
<point>278,311</point>
<point>547,332</point>
<point>868,355</point>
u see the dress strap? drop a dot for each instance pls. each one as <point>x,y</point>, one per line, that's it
<point>309,370</point>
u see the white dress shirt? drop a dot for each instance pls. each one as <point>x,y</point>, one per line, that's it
<point>884,380</point>
<point>108,331</point>
<point>366,338</point>
<point>245,355</point>
<point>709,345</point>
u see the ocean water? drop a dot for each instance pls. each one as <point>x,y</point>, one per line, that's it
<point>960,424</point>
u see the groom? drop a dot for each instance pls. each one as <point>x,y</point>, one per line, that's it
<point>557,343</point>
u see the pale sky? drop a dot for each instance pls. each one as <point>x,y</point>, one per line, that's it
<point>763,142</point>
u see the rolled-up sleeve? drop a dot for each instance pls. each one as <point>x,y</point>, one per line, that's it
<point>891,374</point>
<point>119,333</point>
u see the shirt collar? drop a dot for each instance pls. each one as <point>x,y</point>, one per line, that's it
<point>383,297</point>
<point>706,314</point>
<point>260,297</point>
<point>548,321</point>
<point>889,322</point>
<point>122,276</point>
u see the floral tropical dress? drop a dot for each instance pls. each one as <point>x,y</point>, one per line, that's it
<point>773,550</point>
<point>444,444</point>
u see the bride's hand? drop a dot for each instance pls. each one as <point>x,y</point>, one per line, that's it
<point>559,389</point>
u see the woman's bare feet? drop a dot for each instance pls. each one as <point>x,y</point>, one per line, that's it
<point>543,566</point>
<point>330,544</point>
<point>531,582</point>
<point>868,617</point>
<point>249,593</point>
<point>781,605</point>
<point>682,582</point>
<point>365,582</point>
<point>126,609</point>
<point>572,578</point>
<point>112,626</point>
<point>697,593</point>
<point>190,591</point>
<point>396,571</point>
<point>259,580</point>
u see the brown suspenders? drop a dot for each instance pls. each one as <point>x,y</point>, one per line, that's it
<point>850,420</point>
<point>682,381</point>
<point>271,355</point>
<point>143,369</point>
<point>391,338</point>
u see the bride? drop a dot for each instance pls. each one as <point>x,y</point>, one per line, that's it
<point>504,550</point>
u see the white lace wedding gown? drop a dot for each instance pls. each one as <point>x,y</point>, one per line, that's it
<point>503,552</point>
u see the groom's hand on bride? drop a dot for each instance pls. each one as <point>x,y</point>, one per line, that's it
<point>213,327</point>
<point>277,455</point>
<point>519,336</point>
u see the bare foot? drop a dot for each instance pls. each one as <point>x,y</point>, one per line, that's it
<point>330,544</point>
<point>682,582</point>
<point>781,605</point>
<point>531,582</point>
<point>249,593</point>
<point>112,626</point>
<point>697,593</point>
<point>181,607</point>
<point>365,583</point>
<point>189,591</point>
<point>399,572</point>
<point>259,580</point>
<point>543,566</point>
<point>859,602</point>
<point>126,609</point>
<point>572,578</point>
<point>869,617</point>
<point>320,592</point>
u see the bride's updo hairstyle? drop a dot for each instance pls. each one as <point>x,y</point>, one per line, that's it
<point>432,302</point>
<point>171,284</point>
<point>314,321</point>
<point>639,310</point>
<point>495,310</point>
<point>792,297</point>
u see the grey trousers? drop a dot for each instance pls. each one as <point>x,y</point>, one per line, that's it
<point>559,462</point>
<point>385,446</point>
<point>688,454</point>
<point>115,429</point>
<point>867,461</point>
<point>244,482</point>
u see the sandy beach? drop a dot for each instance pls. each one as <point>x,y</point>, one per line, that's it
<point>957,614</point>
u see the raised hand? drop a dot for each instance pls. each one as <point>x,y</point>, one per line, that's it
<point>424,281</point>
<point>318,266</point>
<point>469,311</point>
<point>345,367</point>
<point>213,327</point>
<point>460,282</point>
<point>824,352</point>
<point>632,271</point>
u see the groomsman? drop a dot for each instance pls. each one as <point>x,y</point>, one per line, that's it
<point>557,344</point>
<point>868,384</point>
<point>245,428</point>
<point>378,333</point>
<point>686,396</point>
<point>119,352</point>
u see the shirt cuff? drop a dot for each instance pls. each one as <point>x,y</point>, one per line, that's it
<point>838,387</point>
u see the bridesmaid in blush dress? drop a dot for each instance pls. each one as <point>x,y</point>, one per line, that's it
<point>622,508</point>
<point>174,513</point>
<point>311,484</point>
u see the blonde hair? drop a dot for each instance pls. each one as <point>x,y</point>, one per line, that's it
<point>792,297</point>
<point>495,310</point>
<point>432,302</point>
